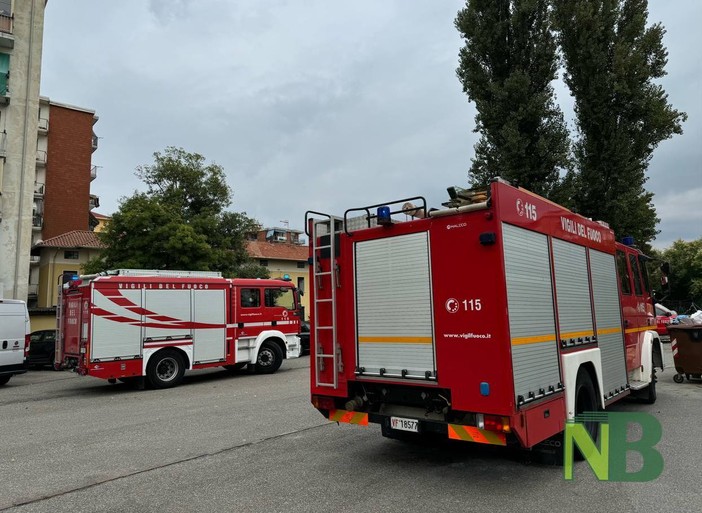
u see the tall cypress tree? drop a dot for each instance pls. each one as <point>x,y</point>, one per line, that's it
<point>611,60</point>
<point>506,67</point>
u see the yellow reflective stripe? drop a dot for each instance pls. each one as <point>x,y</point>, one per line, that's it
<point>518,341</point>
<point>395,340</point>
<point>577,334</point>
<point>608,331</point>
<point>474,434</point>
<point>349,417</point>
<point>636,330</point>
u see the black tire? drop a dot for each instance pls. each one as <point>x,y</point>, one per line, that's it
<point>585,402</point>
<point>165,369</point>
<point>678,378</point>
<point>269,358</point>
<point>236,368</point>
<point>5,379</point>
<point>648,394</point>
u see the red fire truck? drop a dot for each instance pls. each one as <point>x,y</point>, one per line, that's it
<point>493,320</point>
<point>130,324</point>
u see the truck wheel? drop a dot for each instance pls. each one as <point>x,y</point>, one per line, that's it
<point>269,358</point>
<point>5,379</point>
<point>586,401</point>
<point>649,393</point>
<point>165,369</point>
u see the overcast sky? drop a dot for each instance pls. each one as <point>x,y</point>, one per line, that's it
<point>315,104</point>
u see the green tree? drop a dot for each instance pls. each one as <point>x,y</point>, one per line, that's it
<point>685,259</point>
<point>612,60</point>
<point>506,67</point>
<point>179,222</point>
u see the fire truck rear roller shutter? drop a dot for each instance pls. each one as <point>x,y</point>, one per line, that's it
<point>394,306</point>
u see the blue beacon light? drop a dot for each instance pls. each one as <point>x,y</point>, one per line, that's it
<point>383,215</point>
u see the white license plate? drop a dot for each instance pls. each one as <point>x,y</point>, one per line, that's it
<point>404,424</point>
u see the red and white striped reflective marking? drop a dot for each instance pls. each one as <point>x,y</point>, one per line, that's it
<point>674,348</point>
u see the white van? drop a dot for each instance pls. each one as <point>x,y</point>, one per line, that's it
<point>14,338</point>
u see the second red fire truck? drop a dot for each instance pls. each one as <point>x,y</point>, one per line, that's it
<point>135,324</point>
<point>493,320</point>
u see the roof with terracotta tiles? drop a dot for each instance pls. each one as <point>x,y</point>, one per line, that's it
<point>74,239</point>
<point>276,251</point>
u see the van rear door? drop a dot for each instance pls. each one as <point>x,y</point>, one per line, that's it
<point>13,330</point>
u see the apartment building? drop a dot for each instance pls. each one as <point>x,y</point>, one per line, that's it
<point>284,252</point>
<point>62,223</point>
<point>21,34</point>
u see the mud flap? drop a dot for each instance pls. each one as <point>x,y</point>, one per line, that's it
<point>548,452</point>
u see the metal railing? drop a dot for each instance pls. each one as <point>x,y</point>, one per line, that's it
<point>6,22</point>
<point>37,221</point>
<point>93,172</point>
<point>43,125</point>
<point>38,189</point>
<point>41,157</point>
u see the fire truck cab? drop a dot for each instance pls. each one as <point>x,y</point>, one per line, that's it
<point>493,320</point>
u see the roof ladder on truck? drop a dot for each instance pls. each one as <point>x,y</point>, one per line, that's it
<point>324,243</point>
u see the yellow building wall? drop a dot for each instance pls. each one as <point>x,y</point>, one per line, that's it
<point>101,225</point>
<point>51,267</point>
<point>42,321</point>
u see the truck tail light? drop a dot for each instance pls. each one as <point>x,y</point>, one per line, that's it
<point>323,403</point>
<point>26,346</point>
<point>493,423</point>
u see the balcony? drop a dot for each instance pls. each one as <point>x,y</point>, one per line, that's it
<point>3,144</point>
<point>33,290</point>
<point>43,125</point>
<point>95,142</point>
<point>41,158</point>
<point>7,40</point>
<point>94,202</point>
<point>38,190</point>
<point>37,222</point>
<point>93,173</point>
<point>34,259</point>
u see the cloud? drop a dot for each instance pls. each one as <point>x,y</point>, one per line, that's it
<point>681,214</point>
<point>308,105</point>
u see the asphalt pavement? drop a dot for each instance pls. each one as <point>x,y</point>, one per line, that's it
<point>248,442</point>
